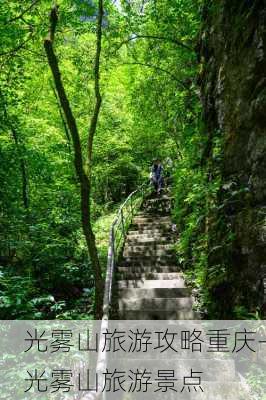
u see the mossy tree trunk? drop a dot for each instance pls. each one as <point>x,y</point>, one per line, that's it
<point>84,176</point>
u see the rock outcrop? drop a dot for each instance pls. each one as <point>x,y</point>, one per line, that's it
<point>233,90</point>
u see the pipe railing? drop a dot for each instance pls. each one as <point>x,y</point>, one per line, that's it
<point>118,232</point>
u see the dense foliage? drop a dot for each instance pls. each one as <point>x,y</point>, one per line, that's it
<point>149,68</point>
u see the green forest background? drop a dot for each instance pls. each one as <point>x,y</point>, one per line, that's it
<point>149,72</point>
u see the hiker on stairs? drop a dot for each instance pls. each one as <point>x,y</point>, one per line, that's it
<point>156,175</point>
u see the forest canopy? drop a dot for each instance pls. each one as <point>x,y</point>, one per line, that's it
<point>149,109</point>
<point>90,93</point>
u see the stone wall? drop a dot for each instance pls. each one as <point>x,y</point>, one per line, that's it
<point>233,90</point>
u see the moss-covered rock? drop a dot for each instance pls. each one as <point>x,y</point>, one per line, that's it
<point>233,91</point>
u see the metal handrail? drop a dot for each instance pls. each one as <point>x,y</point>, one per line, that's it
<point>120,224</point>
<point>117,237</point>
<point>123,220</point>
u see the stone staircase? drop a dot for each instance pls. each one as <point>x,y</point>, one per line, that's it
<point>149,284</point>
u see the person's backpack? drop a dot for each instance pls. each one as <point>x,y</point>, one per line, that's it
<point>159,171</point>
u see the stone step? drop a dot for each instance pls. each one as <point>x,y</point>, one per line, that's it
<point>158,203</point>
<point>157,206</point>
<point>158,199</point>
<point>137,269</point>
<point>152,221</point>
<point>151,293</point>
<point>142,239</point>
<point>151,284</point>
<point>160,257</point>
<point>140,260</point>
<point>150,232</point>
<point>152,314</point>
<point>152,224</point>
<point>151,215</point>
<point>156,211</point>
<point>140,219</point>
<point>152,228</point>
<point>145,213</point>
<point>149,251</point>
<point>156,303</point>
<point>150,245</point>
<point>150,277</point>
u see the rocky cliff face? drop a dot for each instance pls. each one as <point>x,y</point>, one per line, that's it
<point>233,89</point>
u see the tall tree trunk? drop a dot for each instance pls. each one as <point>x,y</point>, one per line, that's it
<point>19,145</point>
<point>92,129</point>
<point>62,117</point>
<point>78,161</point>
<point>98,98</point>
<point>25,196</point>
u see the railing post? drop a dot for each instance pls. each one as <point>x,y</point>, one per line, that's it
<point>131,206</point>
<point>123,223</point>
<point>112,263</point>
<point>113,246</point>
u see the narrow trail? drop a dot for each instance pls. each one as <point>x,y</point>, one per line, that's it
<point>149,283</point>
